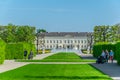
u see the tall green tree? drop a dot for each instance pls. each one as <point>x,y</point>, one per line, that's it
<point>7,33</point>
<point>101,33</point>
<point>106,33</point>
<point>25,34</point>
<point>12,33</point>
<point>113,33</point>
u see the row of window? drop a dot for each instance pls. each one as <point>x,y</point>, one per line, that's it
<point>56,46</point>
<point>66,41</point>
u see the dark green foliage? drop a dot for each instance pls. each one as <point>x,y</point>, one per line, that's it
<point>117,52</point>
<point>2,51</point>
<point>25,34</point>
<point>14,33</point>
<point>16,50</point>
<point>101,33</point>
<point>106,33</point>
<point>41,30</point>
<point>97,48</point>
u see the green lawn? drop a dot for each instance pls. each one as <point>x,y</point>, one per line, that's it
<point>64,55</point>
<point>61,57</point>
<point>54,72</point>
<point>57,60</point>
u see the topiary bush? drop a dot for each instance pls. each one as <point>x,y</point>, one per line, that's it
<point>16,50</point>
<point>2,51</point>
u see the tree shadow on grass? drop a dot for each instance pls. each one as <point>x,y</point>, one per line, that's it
<point>69,77</point>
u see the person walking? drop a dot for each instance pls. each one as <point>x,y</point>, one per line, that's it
<point>106,55</point>
<point>25,54</point>
<point>103,57</point>
<point>111,55</point>
<point>30,55</point>
<point>103,54</point>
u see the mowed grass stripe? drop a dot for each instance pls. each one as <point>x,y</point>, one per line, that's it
<point>61,57</point>
<point>54,72</point>
<point>64,55</point>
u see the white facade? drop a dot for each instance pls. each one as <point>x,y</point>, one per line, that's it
<point>62,41</point>
<point>56,42</point>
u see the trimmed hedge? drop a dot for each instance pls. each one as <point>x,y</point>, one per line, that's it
<point>117,52</point>
<point>97,50</point>
<point>16,50</point>
<point>2,51</point>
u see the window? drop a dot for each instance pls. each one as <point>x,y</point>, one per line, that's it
<point>81,41</point>
<point>64,41</point>
<point>47,41</point>
<point>47,46</point>
<point>60,41</point>
<point>50,46</point>
<point>53,41</point>
<point>68,41</point>
<point>50,41</point>
<point>85,41</point>
<point>82,46</point>
<point>57,41</point>
<point>75,41</point>
<point>78,41</point>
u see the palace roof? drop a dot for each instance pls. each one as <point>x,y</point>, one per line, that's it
<point>64,34</point>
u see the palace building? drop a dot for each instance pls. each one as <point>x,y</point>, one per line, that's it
<point>63,40</point>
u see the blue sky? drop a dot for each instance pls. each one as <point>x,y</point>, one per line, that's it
<point>60,15</point>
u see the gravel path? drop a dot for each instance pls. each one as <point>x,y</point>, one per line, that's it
<point>11,64</point>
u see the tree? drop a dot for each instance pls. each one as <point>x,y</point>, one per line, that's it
<point>12,33</point>
<point>101,33</point>
<point>25,34</point>
<point>7,33</point>
<point>41,30</point>
<point>115,29</point>
<point>106,33</point>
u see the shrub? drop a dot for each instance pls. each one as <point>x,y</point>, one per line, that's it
<point>16,50</point>
<point>117,52</point>
<point>2,51</point>
<point>97,48</point>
